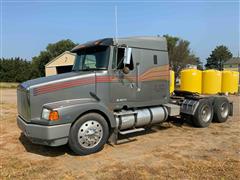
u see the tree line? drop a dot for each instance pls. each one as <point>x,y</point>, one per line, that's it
<point>19,70</point>
<point>15,70</point>
<point>180,54</point>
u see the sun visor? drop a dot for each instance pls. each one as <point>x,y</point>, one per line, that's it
<point>101,42</point>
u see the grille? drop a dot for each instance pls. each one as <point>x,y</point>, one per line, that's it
<point>23,103</point>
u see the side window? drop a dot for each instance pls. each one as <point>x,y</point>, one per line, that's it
<point>155,61</point>
<point>120,56</point>
<point>90,61</point>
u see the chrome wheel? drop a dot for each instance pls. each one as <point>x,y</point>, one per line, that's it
<point>206,113</point>
<point>224,110</point>
<point>90,134</point>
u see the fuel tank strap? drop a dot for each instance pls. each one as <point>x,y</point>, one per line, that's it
<point>151,116</point>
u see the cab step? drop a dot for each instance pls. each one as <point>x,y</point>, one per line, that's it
<point>131,131</point>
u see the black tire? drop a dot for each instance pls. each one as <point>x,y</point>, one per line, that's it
<point>204,114</point>
<point>84,125</point>
<point>221,109</point>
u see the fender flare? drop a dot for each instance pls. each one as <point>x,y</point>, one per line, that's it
<point>70,110</point>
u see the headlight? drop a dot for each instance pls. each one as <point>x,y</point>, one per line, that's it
<point>45,113</point>
<point>50,115</point>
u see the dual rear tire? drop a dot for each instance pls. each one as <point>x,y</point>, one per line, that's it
<point>204,114</point>
<point>208,110</point>
<point>221,109</point>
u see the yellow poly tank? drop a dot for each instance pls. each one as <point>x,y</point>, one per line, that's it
<point>191,80</point>
<point>230,81</point>
<point>235,81</point>
<point>172,81</point>
<point>211,81</point>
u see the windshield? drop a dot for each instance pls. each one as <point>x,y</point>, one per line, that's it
<point>94,58</point>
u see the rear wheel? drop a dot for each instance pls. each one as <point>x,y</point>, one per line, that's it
<point>88,134</point>
<point>221,109</point>
<point>204,114</point>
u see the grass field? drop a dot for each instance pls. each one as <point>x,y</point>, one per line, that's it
<point>8,85</point>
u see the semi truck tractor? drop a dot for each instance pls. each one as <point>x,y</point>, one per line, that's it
<point>117,86</point>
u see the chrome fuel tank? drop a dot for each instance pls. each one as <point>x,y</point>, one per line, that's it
<point>128,119</point>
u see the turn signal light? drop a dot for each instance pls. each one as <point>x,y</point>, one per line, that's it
<point>53,116</point>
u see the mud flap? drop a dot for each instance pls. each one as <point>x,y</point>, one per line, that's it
<point>113,137</point>
<point>231,109</point>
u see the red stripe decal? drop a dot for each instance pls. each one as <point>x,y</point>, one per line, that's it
<point>61,83</point>
<point>147,76</point>
<point>71,83</point>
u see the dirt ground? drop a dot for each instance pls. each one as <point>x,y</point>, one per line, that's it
<point>174,150</point>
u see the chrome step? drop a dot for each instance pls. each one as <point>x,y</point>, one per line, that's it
<point>131,131</point>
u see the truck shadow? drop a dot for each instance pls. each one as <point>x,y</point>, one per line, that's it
<point>172,122</point>
<point>44,150</point>
<point>127,138</point>
<point>61,150</point>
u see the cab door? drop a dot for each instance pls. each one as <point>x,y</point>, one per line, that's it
<point>123,85</point>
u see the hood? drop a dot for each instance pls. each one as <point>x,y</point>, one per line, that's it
<point>51,79</point>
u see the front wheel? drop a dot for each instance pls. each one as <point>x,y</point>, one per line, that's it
<point>88,134</point>
<point>204,114</point>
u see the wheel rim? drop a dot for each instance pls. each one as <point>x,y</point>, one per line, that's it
<point>90,134</point>
<point>224,110</point>
<point>206,113</point>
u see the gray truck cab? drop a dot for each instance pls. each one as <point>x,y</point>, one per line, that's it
<point>131,72</point>
<point>116,86</point>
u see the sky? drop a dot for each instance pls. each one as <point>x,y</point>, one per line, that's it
<point>27,27</point>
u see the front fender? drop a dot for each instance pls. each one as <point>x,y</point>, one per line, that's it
<point>70,110</point>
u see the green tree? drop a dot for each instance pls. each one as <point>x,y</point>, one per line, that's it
<point>14,70</point>
<point>180,54</point>
<point>217,58</point>
<point>51,51</point>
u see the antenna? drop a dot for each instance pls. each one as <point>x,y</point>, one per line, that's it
<point>116,25</point>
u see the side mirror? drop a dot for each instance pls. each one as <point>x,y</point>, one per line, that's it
<point>126,70</point>
<point>127,55</point>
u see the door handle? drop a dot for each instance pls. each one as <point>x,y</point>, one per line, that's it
<point>138,82</point>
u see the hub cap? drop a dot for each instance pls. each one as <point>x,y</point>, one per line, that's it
<point>206,113</point>
<point>90,134</point>
<point>224,110</point>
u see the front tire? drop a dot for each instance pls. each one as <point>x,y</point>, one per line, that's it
<point>204,114</point>
<point>88,134</point>
<point>221,109</point>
